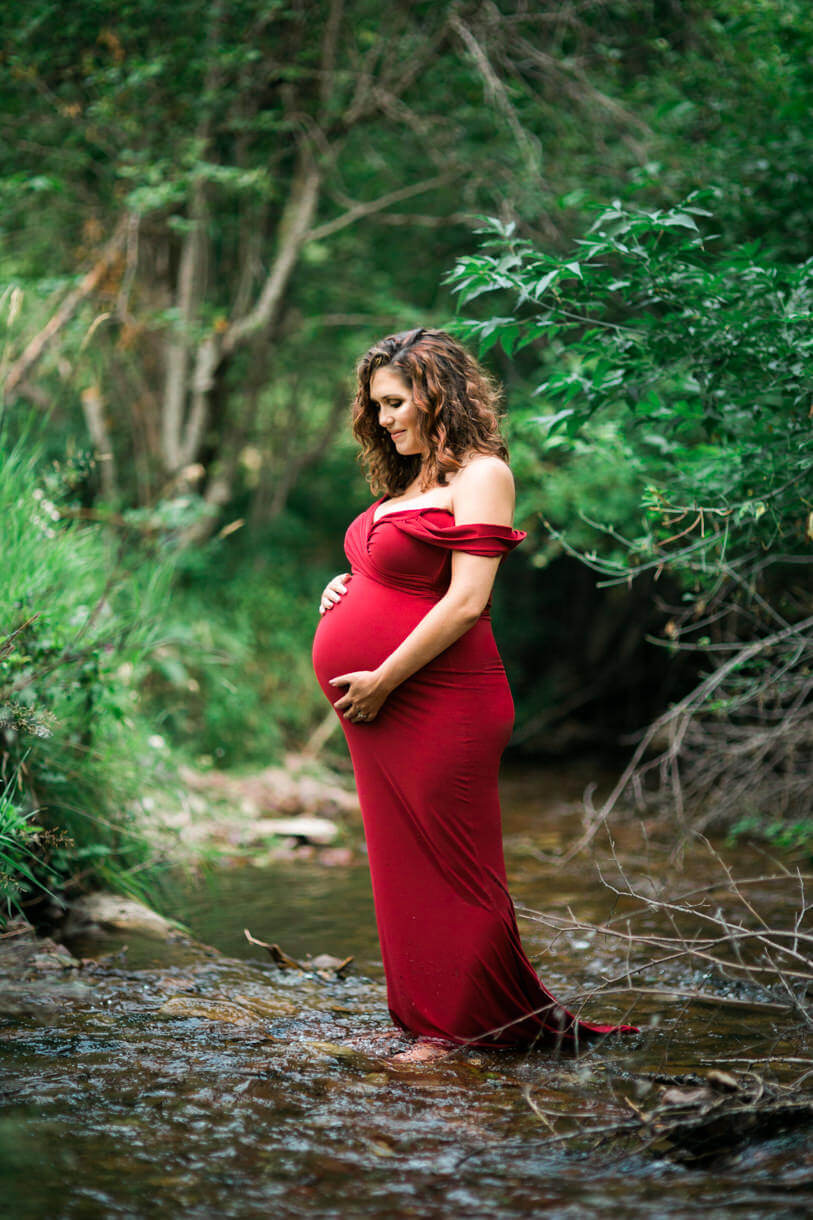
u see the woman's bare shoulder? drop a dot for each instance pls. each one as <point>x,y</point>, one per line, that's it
<point>482,470</point>
<point>483,490</point>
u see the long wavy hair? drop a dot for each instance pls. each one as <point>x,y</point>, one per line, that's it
<point>457,401</point>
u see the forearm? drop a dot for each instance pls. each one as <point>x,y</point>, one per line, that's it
<point>445,622</point>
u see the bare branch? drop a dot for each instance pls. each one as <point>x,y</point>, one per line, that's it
<point>190,292</point>
<point>93,411</point>
<point>674,721</point>
<point>528,145</point>
<point>365,100</point>
<point>123,300</point>
<point>369,208</point>
<point>87,285</point>
<point>329,44</point>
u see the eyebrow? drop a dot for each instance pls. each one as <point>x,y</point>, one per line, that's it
<point>386,396</point>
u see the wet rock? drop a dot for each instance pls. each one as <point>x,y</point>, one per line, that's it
<point>105,911</point>
<point>37,976</point>
<point>700,1119</point>
<point>53,957</point>
<point>24,954</point>
<point>41,999</point>
<point>333,1050</point>
<point>326,961</point>
<point>183,1006</point>
<point>267,1006</point>
<point>246,1011</point>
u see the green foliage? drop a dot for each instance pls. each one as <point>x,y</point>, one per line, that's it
<point>80,618</point>
<point>412,118</point>
<point>230,680</point>
<point>796,836</point>
<point>727,91</point>
<point>22,844</point>
<point>655,372</point>
<point>697,364</point>
<point>692,363</point>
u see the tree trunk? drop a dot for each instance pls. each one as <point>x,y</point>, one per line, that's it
<point>189,295</point>
<point>258,323</point>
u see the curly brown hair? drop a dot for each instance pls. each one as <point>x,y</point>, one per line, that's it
<point>457,401</point>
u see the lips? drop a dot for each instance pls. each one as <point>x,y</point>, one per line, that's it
<point>401,432</point>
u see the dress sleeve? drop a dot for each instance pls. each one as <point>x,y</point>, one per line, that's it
<point>480,538</point>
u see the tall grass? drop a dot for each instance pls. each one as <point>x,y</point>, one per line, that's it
<point>22,866</point>
<point>79,613</point>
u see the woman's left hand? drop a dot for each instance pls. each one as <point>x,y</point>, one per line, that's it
<point>364,697</point>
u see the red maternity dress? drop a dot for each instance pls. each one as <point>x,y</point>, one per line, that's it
<point>426,773</point>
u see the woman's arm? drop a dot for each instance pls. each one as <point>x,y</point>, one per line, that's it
<point>483,491</point>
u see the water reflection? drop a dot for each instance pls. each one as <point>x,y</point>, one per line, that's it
<point>300,905</point>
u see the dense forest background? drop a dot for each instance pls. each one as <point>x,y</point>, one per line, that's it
<point>209,211</point>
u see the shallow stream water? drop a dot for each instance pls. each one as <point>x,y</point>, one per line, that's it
<point>188,1079</point>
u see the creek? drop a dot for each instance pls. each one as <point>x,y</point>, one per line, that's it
<point>192,1077</point>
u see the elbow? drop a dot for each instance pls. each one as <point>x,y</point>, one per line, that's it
<point>467,611</point>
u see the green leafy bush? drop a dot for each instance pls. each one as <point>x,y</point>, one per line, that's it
<point>230,680</point>
<point>22,843</point>
<point>690,366</point>
<point>700,365</point>
<point>78,615</point>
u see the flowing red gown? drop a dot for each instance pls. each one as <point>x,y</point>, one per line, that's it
<point>426,772</point>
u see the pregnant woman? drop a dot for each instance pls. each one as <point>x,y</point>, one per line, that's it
<point>405,653</point>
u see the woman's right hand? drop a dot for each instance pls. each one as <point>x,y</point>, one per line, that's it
<point>334,591</point>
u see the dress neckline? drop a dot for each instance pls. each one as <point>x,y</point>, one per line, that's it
<point>398,511</point>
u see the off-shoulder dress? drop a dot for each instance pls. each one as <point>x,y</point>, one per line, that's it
<point>426,770</point>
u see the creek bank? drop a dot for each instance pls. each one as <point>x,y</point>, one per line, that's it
<point>35,972</point>
<point>299,809</point>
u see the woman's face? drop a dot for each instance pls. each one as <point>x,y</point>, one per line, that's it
<point>397,413</point>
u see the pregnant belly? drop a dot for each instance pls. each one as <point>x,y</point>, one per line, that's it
<point>372,619</point>
<point>361,631</point>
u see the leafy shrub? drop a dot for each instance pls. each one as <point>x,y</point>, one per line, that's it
<point>230,679</point>
<point>79,616</point>
<point>693,366</point>
<point>22,842</point>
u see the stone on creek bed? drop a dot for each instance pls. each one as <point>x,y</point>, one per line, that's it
<point>104,911</point>
<point>240,1010</point>
<point>37,975</point>
<point>24,954</point>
